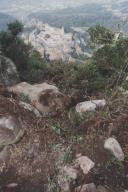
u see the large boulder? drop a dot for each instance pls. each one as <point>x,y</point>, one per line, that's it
<point>44,97</point>
<point>10,129</point>
<point>8,72</point>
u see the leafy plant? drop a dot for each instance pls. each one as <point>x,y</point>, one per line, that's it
<point>100,35</point>
<point>56,130</point>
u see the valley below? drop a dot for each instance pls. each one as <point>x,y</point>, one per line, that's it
<point>54,43</point>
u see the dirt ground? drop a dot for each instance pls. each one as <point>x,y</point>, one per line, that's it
<point>33,163</point>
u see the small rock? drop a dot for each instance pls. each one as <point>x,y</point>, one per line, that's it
<point>85,164</point>
<point>66,177</point>
<point>70,172</point>
<point>89,105</point>
<point>33,152</point>
<point>114,147</point>
<point>8,121</point>
<point>11,130</point>
<point>86,188</point>
<point>78,155</point>
<point>12,185</point>
<point>64,183</point>
<point>4,155</point>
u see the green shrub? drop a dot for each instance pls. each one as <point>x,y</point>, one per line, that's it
<point>100,35</point>
<point>37,68</point>
<point>84,77</point>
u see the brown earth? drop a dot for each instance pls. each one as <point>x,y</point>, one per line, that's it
<point>33,163</point>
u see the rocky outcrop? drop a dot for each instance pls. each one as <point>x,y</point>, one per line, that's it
<point>53,43</point>
<point>44,97</point>
<point>8,72</point>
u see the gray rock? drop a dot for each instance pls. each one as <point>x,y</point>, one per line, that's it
<point>34,152</point>
<point>8,72</point>
<point>46,98</point>
<point>4,155</point>
<point>12,185</point>
<point>89,105</point>
<point>114,147</point>
<point>65,178</point>
<point>70,172</point>
<point>10,130</point>
<point>64,183</point>
<point>85,164</point>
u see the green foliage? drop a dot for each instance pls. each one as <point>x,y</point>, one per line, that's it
<point>28,61</point>
<point>111,60</point>
<point>84,77</point>
<point>100,35</point>
<point>113,162</point>
<point>5,40</point>
<point>15,28</point>
<point>9,37</point>
<point>107,66</point>
<point>14,48</point>
<point>56,130</point>
<point>104,59</point>
<point>121,49</point>
<point>37,68</point>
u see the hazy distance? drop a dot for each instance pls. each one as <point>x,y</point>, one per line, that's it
<point>22,8</point>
